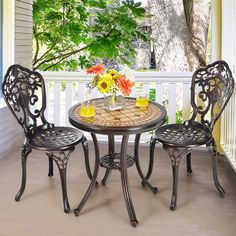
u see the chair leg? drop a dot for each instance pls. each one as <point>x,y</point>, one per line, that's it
<point>94,178</point>
<point>25,151</point>
<point>62,160</point>
<point>189,166</point>
<point>64,190</point>
<point>176,154</point>
<point>175,171</point>
<point>50,164</point>
<point>212,148</point>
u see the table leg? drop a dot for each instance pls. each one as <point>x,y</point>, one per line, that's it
<point>94,177</point>
<point>111,150</point>
<point>125,182</point>
<point>136,154</point>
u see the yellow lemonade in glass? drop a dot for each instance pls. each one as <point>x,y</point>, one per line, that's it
<point>142,101</point>
<point>87,110</point>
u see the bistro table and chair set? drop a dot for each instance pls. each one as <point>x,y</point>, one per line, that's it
<point>24,93</point>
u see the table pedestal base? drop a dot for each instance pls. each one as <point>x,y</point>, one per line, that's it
<point>121,162</point>
<point>112,161</point>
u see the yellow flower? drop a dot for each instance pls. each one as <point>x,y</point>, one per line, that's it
<point>104,84</point>
<point>107,76</point>
<point>95,81</point>
<point>114,74</point>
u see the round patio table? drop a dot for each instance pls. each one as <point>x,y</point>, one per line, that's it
<point>130,120</point>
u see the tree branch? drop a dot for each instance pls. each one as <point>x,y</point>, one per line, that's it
<point>37,44</point>
<point>109,33</point>
<point>56,63</point>
<point>49,50</point>
<point>63,56</point>
<point>188,12</point>
<point>54,44</point>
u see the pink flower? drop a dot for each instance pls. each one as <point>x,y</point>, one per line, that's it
<point>96,69</point>
<point>125,85</point>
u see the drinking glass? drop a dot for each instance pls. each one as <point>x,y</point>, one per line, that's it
<point>87,109</point>
<point>142,100</point>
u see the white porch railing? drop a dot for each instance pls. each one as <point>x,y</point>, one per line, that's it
<point>228,131</point>
<point>65,89</point>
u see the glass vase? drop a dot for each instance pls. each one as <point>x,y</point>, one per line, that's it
<point>113,102</point>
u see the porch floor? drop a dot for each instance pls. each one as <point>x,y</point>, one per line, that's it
<point>200,210</point>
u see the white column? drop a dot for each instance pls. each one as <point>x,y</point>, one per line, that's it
<point>9,33</point>
<point>228,32</point>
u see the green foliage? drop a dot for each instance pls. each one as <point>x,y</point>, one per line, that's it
<point>178,114</point>
<point>178,118</point>
<point>152,94</point>
<point>71,33</point>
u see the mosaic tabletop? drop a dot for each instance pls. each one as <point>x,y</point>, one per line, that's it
<point>129,117</point>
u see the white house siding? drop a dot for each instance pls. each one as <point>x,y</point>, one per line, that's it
<point>11,134</point>
<point>23,32</point>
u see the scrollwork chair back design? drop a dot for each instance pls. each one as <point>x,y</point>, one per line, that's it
<point>24,91</point>
<point>212,88</point>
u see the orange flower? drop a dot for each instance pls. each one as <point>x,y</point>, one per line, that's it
<point>124,85</point>
<point>97,69</point>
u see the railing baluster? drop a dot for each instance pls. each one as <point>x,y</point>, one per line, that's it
<point>186,101</point>
<point>81,91</point>
<point>222,129</point>
<point>226,129</point>
<point>230,128</point>
<point>172,102</point>
<point>47,101</point>
<point>146,88</point>
<point>133,93</point>
<point>159,93</point>
<point>69,97</point>
<point>234,129</point>
<point>57,100</point>
<point>95,94</point>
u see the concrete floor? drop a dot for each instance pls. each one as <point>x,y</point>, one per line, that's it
<point>200,211</point>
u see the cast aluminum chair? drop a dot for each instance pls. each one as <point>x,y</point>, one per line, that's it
<point>24,93</point>
<point>212,88</point>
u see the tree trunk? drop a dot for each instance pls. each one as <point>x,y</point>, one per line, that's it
<point>179,32</point>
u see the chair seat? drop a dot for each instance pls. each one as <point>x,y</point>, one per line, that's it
<point>56,138</point>
<point>182,135</point>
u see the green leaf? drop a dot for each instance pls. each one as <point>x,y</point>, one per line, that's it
<point>137,4</point>
<point>72,33</point>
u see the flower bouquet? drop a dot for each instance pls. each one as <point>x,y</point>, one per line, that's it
<point>109,82</point>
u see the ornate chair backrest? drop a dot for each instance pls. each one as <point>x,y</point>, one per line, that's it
<point>211,89</point>
<point>24,93</point>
